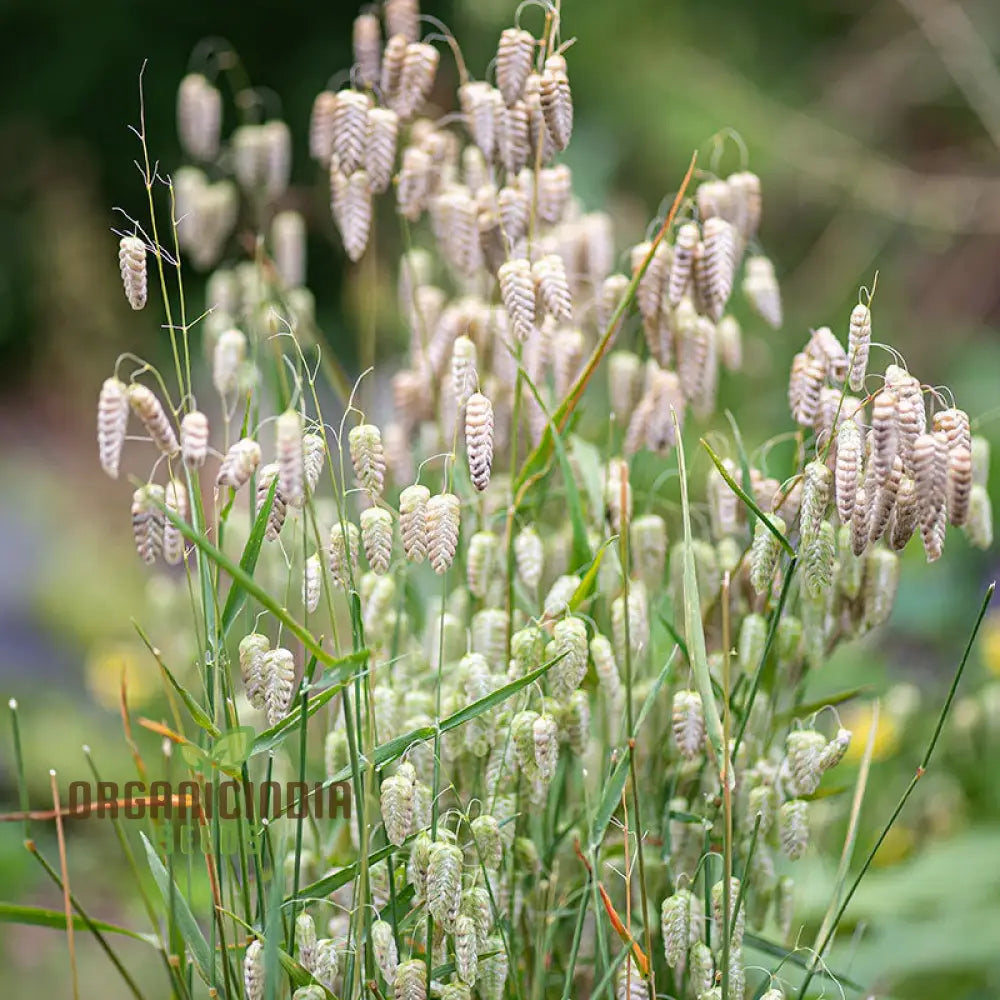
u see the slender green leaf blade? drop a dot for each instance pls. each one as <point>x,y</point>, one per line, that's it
<point>37,916</point>
<point>248,561</point>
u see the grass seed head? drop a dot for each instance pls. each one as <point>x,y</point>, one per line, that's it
<point>239,464</point>
<point>278,675</point>
<point>793,828</point>
<point>376,536</point>
<point>176,500</point>
<point>148,521</point>
<point>149,410</point>
<point>132,259</point>
<point>112,423</point>
<point>199,117</point>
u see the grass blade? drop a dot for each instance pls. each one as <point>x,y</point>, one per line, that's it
<point>37,916</point>
<point>248,561</point>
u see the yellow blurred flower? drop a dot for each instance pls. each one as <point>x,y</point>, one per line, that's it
<point>103,673</point>
<point>896,847</point>
<point>859,720</point>
<point>990,644</point>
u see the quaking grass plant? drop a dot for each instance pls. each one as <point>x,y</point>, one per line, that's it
<point>564,679</point>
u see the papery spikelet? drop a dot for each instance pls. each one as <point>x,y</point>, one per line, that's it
<point>818,559</point>
<point>350,127</point>
<point>396,800</point>
<point>148,521</point>
<point>529,557</point>
<point>367,45</point>
<point>443,517</point>
<point>355,217</point>
<point>701,972</point>
<point>688,724</point>
<point>881,582</point>
<point>343,565</point>
<point>545,737</point>
<point>413,183</point>
<point>288,247</point>
<point>618,495</point>
<point>251,651</point>
<point>416,78</point>
<point>392,66</point>
<point>575,722</point>
<point>199,117</point>
<point>905,514</point>
<point>624,383</point>
<point>930,477</point>
<point>413,521</point>
<point>518,292</point>
<point>602,653</point>
<point>858,344</point>
<point>112,422</point>
<point>884,436</point>
<point>979,524</point>
<point>278,674</point>
<point>557,600</point>
<point>515,210</point>
<point>515,53</point>
<point>367,457</point>
<point>376,536</point>
<point>132,258</point>
<point>477,101</point>
<point>685,243</point>
<point>488,841</point>
<point>489,635</point>
<point>764,553</point>
<point>527,646</point>
<point>959,484</point>
<point>752,638</point>
<point>649,548</point>
<point>883,500</point>
<point>493,970</point>
<point>761,801</point>
<point>444,883</point>
<point>176,500</point>
<point>715,268</point>
<point>747,203</point>
<point>760,287</point>
<point>860,516</point>
<point>463,369</point>
<point>466,965</point>
<point>737,921</point>
<point>834,752</point>
<point>629,984</point>
<point>723,504</point>
<point>557,101</point>
<point>569,641</point>
<point>240,463</point>
<point>479,439</point>
<point>288,450</point>
<point>729,341</point>
<point>384,949</point>
<point>549,273</point>
<point>793,828</point>
<point>847,473</point>
<point>194,439</point>
<point>567,360</point>
<point>911,419</point>
<point>817,485</point>
<point>253,970</point>
<point>555,186</point>
<point>803,749</point>
<point>805,387</point>
<point>676,915</point>
<point>482,563</point>
<point>321,126</point>
<point>305,940</point>
<point>631,632</point>
<point>955,425</point>
<point>154,418</point>
<point>312,582</point>
<point>410,982</point>
<point>227,358</point>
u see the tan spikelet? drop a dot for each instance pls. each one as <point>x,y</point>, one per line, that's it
<point>416,78</point>
<point>227,358</point>
<point>549,273</point>
<point>681,270</point>
<point>240,463</point>
<point>824,345</point>
<point>747,203</point>
<point>150,411</point>
<point>454,219</point>
<point>132,259</point>
<point>147,521</point>
<point>367,44</point>
<point>279,508</point>
<point>760,287</point>
<point>557,101</point>
<point>443,518</point>
<point>289,457</point>
<point>715,268</point>
<point>350,127</point>
<point>199,117</point>
<point>859,338</point>
<point>367,457</point>
<point>930,478</point>
<point>959,484</point>
<point>955,424</point>
<point>624,384</point>
<point>344,554</point>
<point>380,147</point>
<point>479,439</point>
<point>194,439</point>
<point>847,474</point>
<point>392,67</point>
<point>112,423</point>
<point>518,292</point>
<point>288,247</point>
<point>515,136</point>
<point>356,214</point>
<point>175,499</point>
<point>515,53</point>
<point>321,126</point>
<point>883,498</point>
<point>376,536</point>
<point>514,208</point>
<point>859,521</point>
<point>884,437</point>
<point>413,522</point>
<point>413,183</point>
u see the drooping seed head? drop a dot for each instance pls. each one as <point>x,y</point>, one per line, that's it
<point>227,358</point>
<point>764,553</point>
<point>367,457</point>
<point>176,500</point>
<point>376,536</point>
<point>793,828</point>
<point>148,521</point>
<point>194,439</point>
<point>240,463</point>
<point>881,583</point>
<point>760,287</point>
<point>112,423</point>
<point>443,520</point>
<point>199,117</point>
<point>278,676</point>
<point>345,540</point>
<point>688,724</point>
<point>685,243</point>
<point>149,410</point>
<point>132,258</point>
<point>479,439</point>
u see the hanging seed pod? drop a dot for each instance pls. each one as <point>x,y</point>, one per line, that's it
<point>805,388</point>
<point>737,921</point>
<point>761,801</point>
<point>410,982</point>
<point>515,137</point>
<point>482,563</point>
<point>112,423</point>
<point>312,583</point>
<point>515,210</point>
<point>148,521</point>
<point>396,802</point>
<point>518,292</point>
<point>824,346</point>
<point>803,748</point>
<point>476,99</point>
<point>979,525</point>
<point>253,970</point>
<point>416,78</point>
<point>376,536</point>
<point>835,750</point>
<point>567,360</point>
<point>251,651</point>
<point>905,515</point>
<point>723,504</point>
<point>629,984</point>
<point>199,117</point>
<point>545,743</point>
<point>313,457</point>
<point>227,358</point>
<point>529,557</point>
<point>701,973</point>
<point>288,244</point>
<point>884,500</point>
<point>150,411</point>
<point>413,183</point>
<point>464,376</point>
<point>955,425</point>
<point>132,258</point>
<point>444,883</point>
<point>367,45</point>
<point>413,521</point>
<point>355,216</point>
<point>384,949</point>
<point>278,673</point>
<point>859,339</point>
<point>959,484</point>
<point>911,420</point>
<point>489,843</point>
<point>176,500</point>
<point>930,477</point>
<point>402,17</point>
<point>344,552</point>
<point>240,463</point>
<point>764,554</point>
<point>884,437</point>
<point>793,828</point>
<point>847,471</point>
<point>715,268</point>
<point>555,185</point>
<point>479,439</point>
<point>860,517</point>
<point>392,67</point>
<point>194,439</point>
<point>513,62</point>
<point>443,518</point>
<point>549,273</point>
<point>817,485</point>
<point>350,128</point>
<point>729,338</point>
<point>606,668</point>
<point>760,288</point>
<point>688,724</point>
<point>557,600</point>
<point>288,449</point>
<point>321,126</point>
<point>624,383</point>
<point>557,101</point>
<point>750,647</point>
<point>676,914</point>
<point>747,203</point>
<point>569,640</point>
<point>380,147</point>
<point>648,537</point>
<point>305,940</point>
<point>680,274</point>
<point>368,457</point>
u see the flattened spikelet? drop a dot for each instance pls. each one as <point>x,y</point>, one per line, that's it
<point>443,518</point>
<point>147,521</point>
<point>859,339</point>
<point>463,369</point>
<point>367,457</point>
<point>760,287</point>
<point>150,411</point>
<point>345,540</point>
<point>176,500</point>
<point>817,485</point>
<point>413,183</point>
<point>979,526</point>
<point>549,273</point>
<point>959,484</point>
<point>229,354</point>
<point>555,185</point>
<point>279,508</point>
<point>199,117</point>
<point>240,463</point>
<point>859,522</point>
<point>367,44</point>
<point>529,557</point>
<point>194,439</point>
<point>413,523</point>
<point>518,292</point>
<point>312,579</point>
<point>278,675</point>
<point>557,101</point>
<point>132,258</point>
<point>884,436</point>
<point>688,724</point>
<point>513,62</point>
<point>479,439</point>
<point>355,216</point>
<point>253,970</point>
<point>288,449</point>
<point>847,473</point>
<point>112,422</point>
<point>905,515</point>
<point>251,654</point>
<point>416,78</point>
<point>818,559</point>
<point>764,554</point>
<point>955,425</point>
<point>350,127</point>
<point>680,273</point>
<point>396,800</point>
<point>380,147</point>
<point>793,828</point>
<point>884,500</point>
<point>321,126</point>
<point>881,583</point>
<point>376,536</point>
<point>288,247</point>
<point>715,268</point>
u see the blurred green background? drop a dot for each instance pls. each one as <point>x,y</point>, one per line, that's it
<point>875,127</point>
